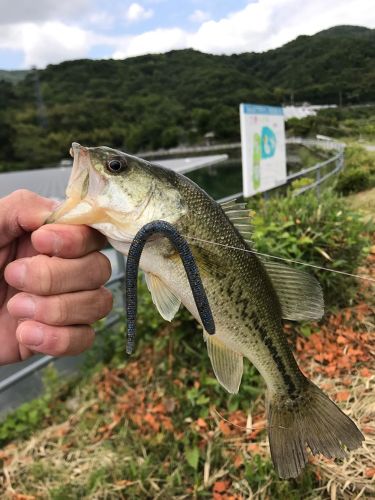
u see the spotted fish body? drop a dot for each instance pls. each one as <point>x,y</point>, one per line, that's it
<point>248,297</point>
<point>245,306</point>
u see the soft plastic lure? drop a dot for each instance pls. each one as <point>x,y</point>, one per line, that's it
<point>132,264</point>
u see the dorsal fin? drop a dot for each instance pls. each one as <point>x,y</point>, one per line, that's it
<point>240,217</point>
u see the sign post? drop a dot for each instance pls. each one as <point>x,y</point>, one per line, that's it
<point>263,148</point>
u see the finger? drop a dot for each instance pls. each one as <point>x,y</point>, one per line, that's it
<point>43,275</point>
<point>67,241</point>
<point>66,309</point>
<point>22,211</point>
<point>54,340</point>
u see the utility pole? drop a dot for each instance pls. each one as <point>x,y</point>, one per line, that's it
<point>340,98</point>
<point>41,108</point>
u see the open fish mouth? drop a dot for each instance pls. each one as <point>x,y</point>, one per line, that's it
<point>84,186</point>
<point>88,200</point>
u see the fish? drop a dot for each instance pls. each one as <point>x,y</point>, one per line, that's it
<point>117,194</point>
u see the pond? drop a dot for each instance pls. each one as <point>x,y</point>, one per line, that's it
<point>221,180</point>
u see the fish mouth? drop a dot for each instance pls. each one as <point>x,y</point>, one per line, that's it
<point>84,186</point>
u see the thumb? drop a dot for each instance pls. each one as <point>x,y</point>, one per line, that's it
<point>22,211</point>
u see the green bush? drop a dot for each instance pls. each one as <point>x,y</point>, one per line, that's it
<point>359,171</point>
<point>300,183</point>
<point>356,122</point>
<point>353,181</point>
<point>321,231</point>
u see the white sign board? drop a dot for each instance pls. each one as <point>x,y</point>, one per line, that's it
<point>263,148</point>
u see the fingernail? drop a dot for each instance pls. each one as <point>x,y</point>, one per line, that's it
<point>31,336</point>
<point>19,274</point>
<point>25,307</point>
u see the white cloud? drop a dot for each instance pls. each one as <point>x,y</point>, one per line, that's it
<point>156,41</point>
<point>198,16</point>
<point>46,43</point>
<point>268,24</point>
<point>136,12</point>
<point>101,19</point>
<point>261,25</point>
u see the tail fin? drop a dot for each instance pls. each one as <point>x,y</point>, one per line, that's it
<point>311,420</point>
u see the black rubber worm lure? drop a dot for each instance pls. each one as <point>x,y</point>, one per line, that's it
<point>134,255</point>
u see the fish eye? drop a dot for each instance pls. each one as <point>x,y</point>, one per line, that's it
<point>116,165</point>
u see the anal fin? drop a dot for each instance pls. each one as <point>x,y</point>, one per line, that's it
<point>227,364</point>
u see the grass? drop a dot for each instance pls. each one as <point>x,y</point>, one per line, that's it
<point>365,202</point>
<point>159,426</point>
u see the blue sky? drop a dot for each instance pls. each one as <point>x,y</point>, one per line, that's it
<point>41,32</point>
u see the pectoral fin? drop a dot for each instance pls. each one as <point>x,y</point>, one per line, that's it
<point>227,364</point>
<point>165,301</point>
<point>299,293</point>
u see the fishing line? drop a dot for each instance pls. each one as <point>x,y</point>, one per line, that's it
<point>281,258</point>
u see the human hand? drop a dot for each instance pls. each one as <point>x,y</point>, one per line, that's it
<point>51,281</point>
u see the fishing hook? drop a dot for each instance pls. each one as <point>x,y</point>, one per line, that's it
<point>132,264</point>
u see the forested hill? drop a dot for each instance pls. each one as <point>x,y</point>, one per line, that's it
<point>167,99</point>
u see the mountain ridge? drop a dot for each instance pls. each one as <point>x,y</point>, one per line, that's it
<point>162,100</point>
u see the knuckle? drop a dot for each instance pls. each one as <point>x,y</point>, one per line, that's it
<point>41,274</point>
<point>89,337</point>
<point>60,311</point>
<point>106,302</point>
<point>22,195</point>
<point>80,239</point>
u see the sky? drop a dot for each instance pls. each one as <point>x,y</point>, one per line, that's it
<point>42,32</point>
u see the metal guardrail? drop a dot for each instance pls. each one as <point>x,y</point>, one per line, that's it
<point>337,160</point>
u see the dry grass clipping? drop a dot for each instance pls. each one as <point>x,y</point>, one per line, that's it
<point>355,477</point>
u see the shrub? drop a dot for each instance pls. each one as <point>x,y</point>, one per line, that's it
<point>302,182</point>
<point>359,171</point>
<point>320,231</point>
<point>353,181</point>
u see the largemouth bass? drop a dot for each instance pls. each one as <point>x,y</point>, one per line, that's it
<point>117,194</point>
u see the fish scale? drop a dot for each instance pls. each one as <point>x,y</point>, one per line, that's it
<point>248,297</point>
